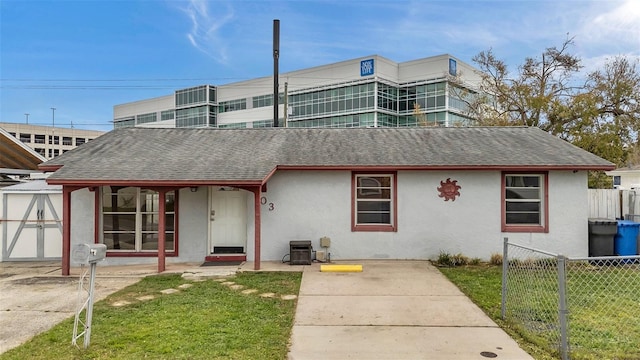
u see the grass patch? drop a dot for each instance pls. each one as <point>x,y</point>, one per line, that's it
<point>603,308</point>
<point>483,285</point>
<point>208,320</point>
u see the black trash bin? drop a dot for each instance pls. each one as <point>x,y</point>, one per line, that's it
<point>601,236</point>
<point>300,252</point>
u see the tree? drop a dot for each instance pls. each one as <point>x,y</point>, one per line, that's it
<point>601,115</point>
<point>421,117</point>
<point>526,98</point>
<point>605,117</point>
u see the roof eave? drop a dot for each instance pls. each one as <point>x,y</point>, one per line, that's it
<point>446,167</point>
<point>152,183</point>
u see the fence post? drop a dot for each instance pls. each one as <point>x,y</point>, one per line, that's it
<point>562,307</point>
<point>505,268</point>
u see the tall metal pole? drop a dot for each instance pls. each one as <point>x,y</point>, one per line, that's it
<point>27,115</point>
<point>53,117</point>
<point>276,55</point>
<point>286,105</point>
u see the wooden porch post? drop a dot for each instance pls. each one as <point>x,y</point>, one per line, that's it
<point>161,229</point>
<point>256,203</point>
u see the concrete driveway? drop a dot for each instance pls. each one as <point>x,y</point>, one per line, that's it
<point>34,297</point>
<point>392,310</point>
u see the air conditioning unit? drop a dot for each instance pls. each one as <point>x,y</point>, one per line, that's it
<point>321,255</point>
<point>300,252</point>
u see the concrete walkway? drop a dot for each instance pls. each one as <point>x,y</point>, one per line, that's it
<point>392,310</point>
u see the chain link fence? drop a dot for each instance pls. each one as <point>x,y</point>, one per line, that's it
<point>577,308</point>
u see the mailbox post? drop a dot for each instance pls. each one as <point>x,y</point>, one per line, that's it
<point>86,254</point>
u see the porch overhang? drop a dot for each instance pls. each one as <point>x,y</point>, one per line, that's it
<point>162,186</point>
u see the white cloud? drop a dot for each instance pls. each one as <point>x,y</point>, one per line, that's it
<point>612,27</point>
<point>205,28</point>
<point>620,20</point>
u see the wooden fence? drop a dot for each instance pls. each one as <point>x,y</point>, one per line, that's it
<point>614,204</point>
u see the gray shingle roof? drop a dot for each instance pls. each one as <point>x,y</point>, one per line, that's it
<point>250,155</point>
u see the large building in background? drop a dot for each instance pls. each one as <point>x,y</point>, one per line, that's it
<point>367,92</point>
<point>49,141</point>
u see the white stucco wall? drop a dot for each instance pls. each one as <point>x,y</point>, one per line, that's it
<point>82,224</point>
<point>308,205</point>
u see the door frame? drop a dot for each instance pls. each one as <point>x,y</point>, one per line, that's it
<point>211,256</point>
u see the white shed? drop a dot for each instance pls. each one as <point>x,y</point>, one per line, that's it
<point>31,220</point>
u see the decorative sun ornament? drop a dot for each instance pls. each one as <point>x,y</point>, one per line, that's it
<point>449,189</point>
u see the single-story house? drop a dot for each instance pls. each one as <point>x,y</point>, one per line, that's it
<point>185,195</point>
<point>626,178</point>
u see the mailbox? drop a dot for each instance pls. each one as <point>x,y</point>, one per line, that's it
<point>85,254</point>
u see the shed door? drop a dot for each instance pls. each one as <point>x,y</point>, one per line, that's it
<point>228,222</point>
<point>32,229</point>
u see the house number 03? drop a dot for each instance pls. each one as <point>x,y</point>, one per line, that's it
<point>270,206</point>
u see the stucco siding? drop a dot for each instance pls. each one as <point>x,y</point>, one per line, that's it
<point>469,225</point>
<point>82,218</point>
<point>310,205</point>
<point>307,205</point>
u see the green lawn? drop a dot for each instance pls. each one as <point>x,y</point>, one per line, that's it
<point>604,307</point>
<point>208,320</point>
<point>483,285</point>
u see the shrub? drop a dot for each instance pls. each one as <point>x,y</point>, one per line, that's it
<point>459,260</point>
<point>444,259</point>
<point>496,259</point>
<point>475,261</point>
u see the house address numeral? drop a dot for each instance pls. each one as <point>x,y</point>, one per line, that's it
<point>270,206</point>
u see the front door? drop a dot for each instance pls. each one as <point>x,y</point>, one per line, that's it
<point>228,221</point>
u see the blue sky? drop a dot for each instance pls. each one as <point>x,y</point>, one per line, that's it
<point>83,57</point>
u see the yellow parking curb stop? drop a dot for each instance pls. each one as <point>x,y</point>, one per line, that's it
<point>340,268</point>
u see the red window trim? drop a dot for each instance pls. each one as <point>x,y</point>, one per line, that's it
<point>503,208</point>
<point>394,199</point>
<point>116,253</point>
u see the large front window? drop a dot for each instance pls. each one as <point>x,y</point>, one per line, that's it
<point>524,206</point>
<point>130,219</point>
<point>374,201</point>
